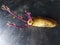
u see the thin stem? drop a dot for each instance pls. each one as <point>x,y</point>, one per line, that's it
<point>19,17</point>
<point>28,14</point>
<point>18,26</point>
<point>12,13</point>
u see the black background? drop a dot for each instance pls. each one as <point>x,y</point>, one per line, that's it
<point>31,35</point>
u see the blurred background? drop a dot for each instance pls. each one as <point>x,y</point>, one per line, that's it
<point>31,35</point>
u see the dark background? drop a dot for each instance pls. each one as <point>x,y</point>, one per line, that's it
<point>31,35</point>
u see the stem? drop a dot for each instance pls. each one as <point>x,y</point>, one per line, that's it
<point>28,14</point>
<point>19,17</point>
<point>6,8</point>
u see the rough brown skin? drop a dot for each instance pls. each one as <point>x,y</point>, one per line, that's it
<point>42,22</point>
